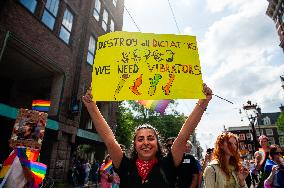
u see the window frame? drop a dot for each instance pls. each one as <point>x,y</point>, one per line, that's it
<point>242,136</point>
<point>269,132</point>
<point>46,10</point>
<point>24,3</point>
<point>114,2</point>
<point>96,11</point>
<point>105,21</point>
<point>65,27</point>
<point>89,52</point>
<point>112,29</point>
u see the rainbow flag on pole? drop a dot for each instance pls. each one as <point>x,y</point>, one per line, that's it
<point>41,105</point>
<point>38,170</point>
<point>157,105</point>
<point>108,166</point>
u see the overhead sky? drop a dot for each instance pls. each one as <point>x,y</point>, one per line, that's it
<point>239,54</point>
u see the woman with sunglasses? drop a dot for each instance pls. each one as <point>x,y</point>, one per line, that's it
<point>225,170</point>
<point>274,167</point>
<point>147,166</point>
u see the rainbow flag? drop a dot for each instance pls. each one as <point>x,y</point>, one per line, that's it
<point>157,105</point>
<point>108,166</point>
<point>7,164</point>
<point>27,153</point>
<point>41,105</point>
<point>38,170</point>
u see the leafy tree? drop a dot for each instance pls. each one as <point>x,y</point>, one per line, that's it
<point>125,126</point>
<point>280,122</point>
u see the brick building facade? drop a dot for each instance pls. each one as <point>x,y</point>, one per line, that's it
<point>275,11</point>
<point>46,52</point>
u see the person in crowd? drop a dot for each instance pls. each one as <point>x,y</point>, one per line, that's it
<point>147,166</point>
<point>187,173</point>
<point>275,168</point>
<point>200,174</point>
<point>87,168</point>
<point>94,172</point>
<point>255,168</point>
<point>208,158</point>
<point>106,175</point>
<point>225,170</point>
<point>116,180</point>
<point>263,142</point>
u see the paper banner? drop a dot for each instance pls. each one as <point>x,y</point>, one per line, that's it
<point>144,66</point>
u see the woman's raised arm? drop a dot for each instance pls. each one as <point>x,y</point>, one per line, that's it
<point>190,124</point>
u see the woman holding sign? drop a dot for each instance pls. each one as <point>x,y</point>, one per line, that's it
<point>147,167</point>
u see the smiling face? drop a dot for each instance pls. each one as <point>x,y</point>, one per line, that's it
<point>146,144</point>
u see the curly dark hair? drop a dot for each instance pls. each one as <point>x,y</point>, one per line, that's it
<point>160,151</point>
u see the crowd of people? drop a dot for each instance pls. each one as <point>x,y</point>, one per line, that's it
<point>151,163</point>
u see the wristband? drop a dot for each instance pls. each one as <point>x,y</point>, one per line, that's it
<point>202,108</point>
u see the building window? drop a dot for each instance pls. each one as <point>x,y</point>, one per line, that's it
<point>281,141</point>
<point>258,133</point>
<point>280,132</point>
<point>91,50</point>
<point>249,147</point>
<point>105,20</point>
<point>242,137</point>
<point>242,146</point>
<point>66,26</point>
<point>50,13</point>
<point>266,121</point>
<point>97,10</point>
<point>269,132</point>
<point>271,141</point>
<point>248,135</point>
<point>114,2</point>
<point>111,27</point>
<point>29,4</point>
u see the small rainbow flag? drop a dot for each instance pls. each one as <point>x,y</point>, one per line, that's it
<point>38,170</point>
<point>107,166</point>
<point>41,105</point>
<point>157,105</point>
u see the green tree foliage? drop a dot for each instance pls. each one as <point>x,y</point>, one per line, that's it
<point>132,114</point>
<point>125,126</point>
<point>280,122</point>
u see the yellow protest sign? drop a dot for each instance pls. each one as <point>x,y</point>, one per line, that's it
<point>145,66</point>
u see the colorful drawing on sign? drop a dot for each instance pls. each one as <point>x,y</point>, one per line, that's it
<point>29,129</point>
<point>157,105</point>
<point>144,66</point>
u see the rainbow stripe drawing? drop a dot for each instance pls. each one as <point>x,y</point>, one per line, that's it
<point>157,105</point>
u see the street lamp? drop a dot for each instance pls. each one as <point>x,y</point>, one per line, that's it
<point>256,113</point>
<point>282,81</point>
